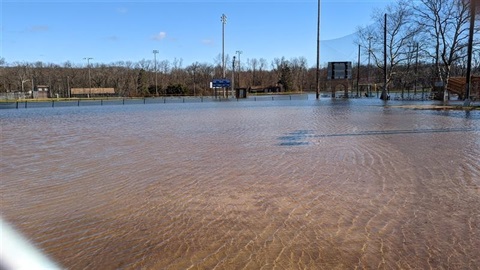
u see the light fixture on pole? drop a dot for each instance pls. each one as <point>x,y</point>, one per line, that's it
<point>155,60</point>
<point>224,21</point>
<point>89,76</point>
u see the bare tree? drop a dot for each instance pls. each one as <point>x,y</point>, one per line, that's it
<point>164,68</point>
<point>252,67</point>
<point>205,75</point>
<point>192,71</point>
<point>299,70</point>
<point>177,72</point>
<point>401,35</point>
<point>144,64</point>
<point>445,26</point>
<point>262,76</point>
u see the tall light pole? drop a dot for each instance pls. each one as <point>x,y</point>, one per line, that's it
<point>89,77</point>
<point>155,60</point>
<point>224,21</point>
<point>318,51</point>
<point>239,67</point>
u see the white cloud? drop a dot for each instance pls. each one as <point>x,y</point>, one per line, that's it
<point>38,28</point>
<point>208,42</point>
<point>122,10</point>
<point>113,38</point>
<point>159,36</point>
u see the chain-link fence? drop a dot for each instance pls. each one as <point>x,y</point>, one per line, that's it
<point>25,104</point>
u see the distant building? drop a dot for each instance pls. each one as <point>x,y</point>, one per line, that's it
<point>41,91</point>
<point>241,92</point>
<point>265,89</point>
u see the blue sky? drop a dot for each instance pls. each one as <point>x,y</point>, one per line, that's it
<point>57,31</point>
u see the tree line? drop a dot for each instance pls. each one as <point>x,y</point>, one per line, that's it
<point>426,41</point>
<point>147,78</point>
<point>434,32</point>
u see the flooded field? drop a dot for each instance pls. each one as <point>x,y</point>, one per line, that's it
<point>305,184</point>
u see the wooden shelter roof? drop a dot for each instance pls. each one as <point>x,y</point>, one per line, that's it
<point>92,91</point>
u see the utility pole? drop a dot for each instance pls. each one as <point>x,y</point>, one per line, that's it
<point>416,71</point>
<point>385,77</point>
<point>68,87</point>
<point>318,52</point>
<point>368,72</point>
<point>358,72</point>
<point>233,76</point>
<point>239,67</point>
<point>194,65</point>
<point>89,77</point>
<point>224,21</point>
<point>155,60</point>
<point>470,49</point>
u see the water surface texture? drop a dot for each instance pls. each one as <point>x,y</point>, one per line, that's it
<point>245,185</point>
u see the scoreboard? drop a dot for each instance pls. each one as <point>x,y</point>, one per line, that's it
<point>339,71</point>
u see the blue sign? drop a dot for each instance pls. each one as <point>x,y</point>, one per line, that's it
<point>221,83</point>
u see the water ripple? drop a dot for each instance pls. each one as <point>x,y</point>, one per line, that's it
<point>286,185</point>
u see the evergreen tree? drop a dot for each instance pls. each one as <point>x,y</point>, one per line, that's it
<point>142,83</point>
<point>286,79</point>
<point>176,89</point>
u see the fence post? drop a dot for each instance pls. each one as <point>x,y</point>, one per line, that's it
<point>78,103</point>
<point>16,105</point>
<point>25,104</point>
<point>101,102</point>
<point>53,103</point>
<point>123,101</point>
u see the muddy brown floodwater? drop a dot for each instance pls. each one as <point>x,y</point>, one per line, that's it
<point>245,185</point>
